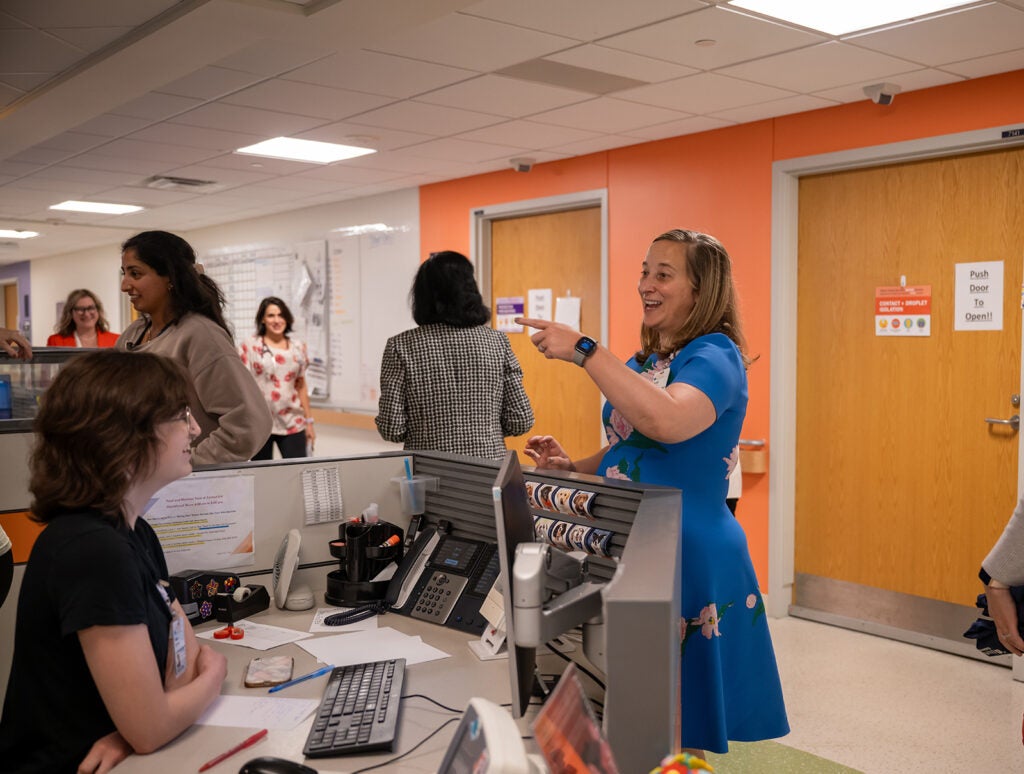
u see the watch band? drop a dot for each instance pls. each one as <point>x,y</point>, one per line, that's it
<point>585,347</point>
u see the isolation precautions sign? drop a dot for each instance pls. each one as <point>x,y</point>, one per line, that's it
<point>903,310</point>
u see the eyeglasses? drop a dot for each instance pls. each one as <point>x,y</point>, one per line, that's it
<point>83,309</point>
<point>186,417</point>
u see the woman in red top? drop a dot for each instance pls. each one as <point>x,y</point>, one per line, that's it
<point>82,323</point>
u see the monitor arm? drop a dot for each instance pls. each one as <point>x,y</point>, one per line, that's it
<point>550,594</point>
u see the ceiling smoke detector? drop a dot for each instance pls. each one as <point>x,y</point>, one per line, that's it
<point>168,183</point>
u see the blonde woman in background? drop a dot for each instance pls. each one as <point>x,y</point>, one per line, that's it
<point>82,323</point>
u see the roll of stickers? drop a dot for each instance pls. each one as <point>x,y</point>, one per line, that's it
<point>572,537</point>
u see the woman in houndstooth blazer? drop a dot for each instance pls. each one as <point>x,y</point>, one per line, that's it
<point>452,384</point>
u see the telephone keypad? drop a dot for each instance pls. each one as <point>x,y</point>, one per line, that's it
<point>438,597</point>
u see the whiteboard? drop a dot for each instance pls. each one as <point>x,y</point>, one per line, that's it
<point>348,293</point>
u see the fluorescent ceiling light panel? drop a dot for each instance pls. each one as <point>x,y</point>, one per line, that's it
<point>101,207</point>
<point>9,234</point>
<point>838,18</point>
<point>311,151</point>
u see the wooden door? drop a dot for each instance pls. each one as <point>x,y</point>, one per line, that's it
<point>900,483</point>
<point>561,251</point>
<point>11,306</point>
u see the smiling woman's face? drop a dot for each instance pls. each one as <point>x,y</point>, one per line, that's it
<point>665,288</point>
<point>147,290</point>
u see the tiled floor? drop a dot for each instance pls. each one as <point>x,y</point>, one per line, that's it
<point>885,707</point>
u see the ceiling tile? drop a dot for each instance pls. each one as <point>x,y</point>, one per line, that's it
<point>609,114</point>
<point>258,164</point>
<point>272,57</point>
<point>344,173</point>
<point>224,175</point>
<point>706,92</point>
<point>40,155</point>
<point>306,99</point>
<point>17,168</point>
<point>31,51</point>
<point>109,125</point>
<point>79,175</point>
<point>377,73</point>
<point>24,81</point>
<point>528,134</point>
<point>679,128</point>
<point>140,167</point>
<point>74,13</point>
<point>208,83</point>
<point>8,94</point>
<point>580,19</point>
<point>596,145</point>
<point>89,39</point>
<point>503,96</point>
<point>155,151</point>
<point>403,161</point>
<point>363,136</point>
<point>73,141</point>
<point>147,197</point>
<point>235,118</point>
<point>452,149</point>
<point>919,79</point>
<point>974,32</point>
<point>777,107</point>
<point>432,119</point>
<point>156,106</point>
<point>737,37</point>
<point>622,63</point>
<point>472,43</point>
<point>821,67</point>
<point>304,185</point>
<point>195,137</point>
<point>988,65</point>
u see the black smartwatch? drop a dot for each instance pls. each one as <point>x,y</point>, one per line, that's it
<point>585,347</point>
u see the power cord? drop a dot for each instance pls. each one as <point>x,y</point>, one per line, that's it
<point>427,738</point>
<point>433,701</point>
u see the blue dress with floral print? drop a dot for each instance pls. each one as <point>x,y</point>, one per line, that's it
<point>730,681</point>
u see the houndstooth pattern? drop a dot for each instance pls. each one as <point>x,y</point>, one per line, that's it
<point>457,390</point>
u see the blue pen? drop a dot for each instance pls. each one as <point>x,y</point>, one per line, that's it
<point>310,676</point>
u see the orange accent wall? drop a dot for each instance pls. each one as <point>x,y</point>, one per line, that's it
<point>719,182</point>
<point>22,531</point>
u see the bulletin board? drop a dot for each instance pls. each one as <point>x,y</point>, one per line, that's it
<point>348,293</point>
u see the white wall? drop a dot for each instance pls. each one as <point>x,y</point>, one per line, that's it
<point>99,268</point>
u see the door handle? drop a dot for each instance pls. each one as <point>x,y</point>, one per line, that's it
<point>1013,421</point>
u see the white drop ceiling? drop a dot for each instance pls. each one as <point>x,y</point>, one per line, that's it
<point>98,97</point>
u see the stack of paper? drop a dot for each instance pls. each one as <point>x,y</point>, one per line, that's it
<point>385,643</point>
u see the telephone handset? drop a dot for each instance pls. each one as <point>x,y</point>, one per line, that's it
<point>409,571</point>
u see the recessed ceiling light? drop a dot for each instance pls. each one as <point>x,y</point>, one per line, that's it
<point>9,234</point>
<point>101,207</point>
<point>311,151</point>
<point>836,18</point>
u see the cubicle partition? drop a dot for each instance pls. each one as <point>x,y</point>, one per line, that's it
<point>641,602</point>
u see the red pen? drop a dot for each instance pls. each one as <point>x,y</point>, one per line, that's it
<point>240,746</point>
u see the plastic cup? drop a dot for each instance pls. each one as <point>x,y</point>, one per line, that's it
<point>413,493</point>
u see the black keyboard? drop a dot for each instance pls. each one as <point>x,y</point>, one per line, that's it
<point>359,709</point>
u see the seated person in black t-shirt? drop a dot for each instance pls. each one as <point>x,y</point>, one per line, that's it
<point>105,661</point>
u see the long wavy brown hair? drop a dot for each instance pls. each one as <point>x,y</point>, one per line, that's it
<point>715,310</point>
<point>96,430</point>
<point>66,326</point>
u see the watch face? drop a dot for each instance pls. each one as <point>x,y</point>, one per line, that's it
<point>586,346</point>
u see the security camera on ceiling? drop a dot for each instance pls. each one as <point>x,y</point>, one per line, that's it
<point>521,164</point>
<point>882,93</point>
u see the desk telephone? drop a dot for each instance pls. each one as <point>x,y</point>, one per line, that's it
<point>444,579</point>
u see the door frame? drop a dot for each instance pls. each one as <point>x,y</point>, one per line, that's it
<point>480,219</point>
<point>785,203</point>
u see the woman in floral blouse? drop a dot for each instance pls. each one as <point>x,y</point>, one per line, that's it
<point>279,363</point>
<point>673,417</point>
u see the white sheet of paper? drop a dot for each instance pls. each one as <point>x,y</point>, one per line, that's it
<point>259,636</point>
<point>383,644</point>
<point>318,624</point>
<point>538,303</point>
<point>567,311</point>
<point>257,712</point>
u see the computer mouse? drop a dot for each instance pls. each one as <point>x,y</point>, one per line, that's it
<point>267,764</point>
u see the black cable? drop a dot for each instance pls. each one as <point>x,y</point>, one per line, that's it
<point>432,701</point>
<point>579,666</point>
<point>407,752</point>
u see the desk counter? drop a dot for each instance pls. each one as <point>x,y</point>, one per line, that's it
<point>451,681</point>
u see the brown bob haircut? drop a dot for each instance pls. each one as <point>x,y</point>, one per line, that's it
<point>716,309</point>
<point>96,430</point>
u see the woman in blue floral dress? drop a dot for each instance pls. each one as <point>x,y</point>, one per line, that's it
<point>673,417</point>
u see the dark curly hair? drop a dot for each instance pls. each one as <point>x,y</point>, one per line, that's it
<point>444,291</point>
<point>190,289</point>
<point>286,313</point>
<point>96,430</point>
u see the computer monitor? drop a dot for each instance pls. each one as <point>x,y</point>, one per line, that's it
<point>514,526</point>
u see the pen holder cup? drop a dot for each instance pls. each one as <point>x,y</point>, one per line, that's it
<point>413,492</point>
<point>363,552</point>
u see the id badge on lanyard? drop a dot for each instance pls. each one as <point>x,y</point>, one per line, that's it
<point>177,634</point>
